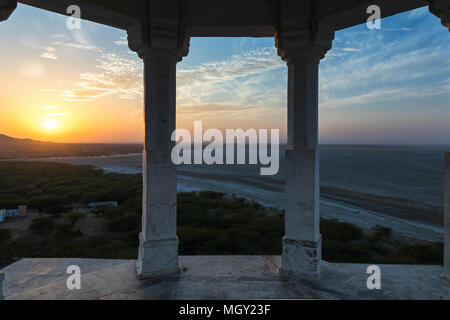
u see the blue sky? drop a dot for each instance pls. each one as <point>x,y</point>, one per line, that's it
<point>376,86</point>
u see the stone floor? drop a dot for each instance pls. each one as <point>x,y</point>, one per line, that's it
<point>215,277</point>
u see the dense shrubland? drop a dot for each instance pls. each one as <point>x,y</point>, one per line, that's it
<point>208,222</point>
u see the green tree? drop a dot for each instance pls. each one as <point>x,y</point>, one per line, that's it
<point>42,226</point>
<point>74,216</point>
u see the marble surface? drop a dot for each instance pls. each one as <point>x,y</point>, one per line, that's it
<point>215,277</point>
<point>2,277</point>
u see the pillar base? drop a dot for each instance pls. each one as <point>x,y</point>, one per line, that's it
<point>301,258</point>
<point>445,288</point>
<point>157,258</point>
<point>2,277</point>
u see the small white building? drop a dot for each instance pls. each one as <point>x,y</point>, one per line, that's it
<point>20,212</point>
<point>12,213</point>
<point>103,204</point>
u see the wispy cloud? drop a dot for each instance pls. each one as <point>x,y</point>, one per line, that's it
<point>351,49</point>
<point>49,53</point>
<point>49,107</point>
<point>237,66</point>
<point>113,74</point>
<point>122,42</point>
<point>365,69</point>
<point>383,69</point>
<point>381,96</point>
<point>240,86</point>
<point>75,45</point>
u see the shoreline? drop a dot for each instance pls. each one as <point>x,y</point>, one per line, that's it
<point>363,209</point>
<point>46,159</point>
<point>395,207</point>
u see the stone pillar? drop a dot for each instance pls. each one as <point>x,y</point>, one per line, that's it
<point>6,8</point>
<point>446,273</point>
<point>302,44</point>
<point>441,9</point>
<point>161,46</point>
<point>2,277</point>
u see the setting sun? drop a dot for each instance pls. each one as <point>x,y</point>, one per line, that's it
<point>50,125</point>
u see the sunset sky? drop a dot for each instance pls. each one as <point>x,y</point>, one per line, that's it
<point>376,86</point>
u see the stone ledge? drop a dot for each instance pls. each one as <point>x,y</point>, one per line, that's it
<point>216,277</point>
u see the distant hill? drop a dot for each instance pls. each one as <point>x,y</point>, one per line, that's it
<point>7,139</point>
<point>13,148</point>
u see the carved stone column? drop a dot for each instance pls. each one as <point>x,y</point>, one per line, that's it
<point>161,45</point>
<point>302,43</point>
<point>446,273</point>
<point>441,9</point>
<point>6,8</point>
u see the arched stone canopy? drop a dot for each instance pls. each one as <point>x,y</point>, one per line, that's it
<point>441,9</point>
<point>159,31</point>
<point>6,8</point>
<point>219,18</point>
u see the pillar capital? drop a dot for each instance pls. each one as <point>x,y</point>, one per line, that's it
<point>303,40</point>
<point>441,9</point>
<point>6,8</point>
<point>150,42</point>
<point>299,35</point>
<point>161,35</point>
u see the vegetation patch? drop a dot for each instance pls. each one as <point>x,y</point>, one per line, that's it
<point>209,223</point>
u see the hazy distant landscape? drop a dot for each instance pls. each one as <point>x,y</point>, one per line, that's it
<point>378,203</point>
<point>396,186</point>
<point>12,148</point>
